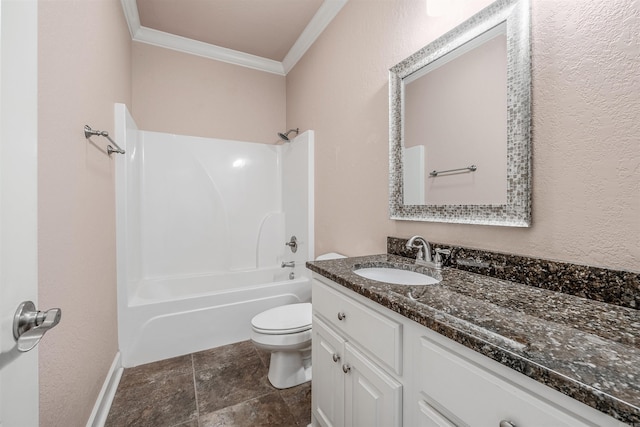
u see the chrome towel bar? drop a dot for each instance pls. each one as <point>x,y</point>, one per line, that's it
<point>88,132</point>
<point>471,168</point>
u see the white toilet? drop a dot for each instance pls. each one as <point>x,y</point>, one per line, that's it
<point>286,332</point>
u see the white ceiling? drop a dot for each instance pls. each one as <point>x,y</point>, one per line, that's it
<point>268,35</point>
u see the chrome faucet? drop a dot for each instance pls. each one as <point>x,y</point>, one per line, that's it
<point>424,249</point>
<point>288,264</point>
<point>424,252</point>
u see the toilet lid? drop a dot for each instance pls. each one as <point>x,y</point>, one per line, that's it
<point>286,319</point>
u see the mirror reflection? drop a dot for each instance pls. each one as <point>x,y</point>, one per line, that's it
<point>455,126</point>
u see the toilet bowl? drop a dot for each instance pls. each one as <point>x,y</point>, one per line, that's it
<point>285,331</point>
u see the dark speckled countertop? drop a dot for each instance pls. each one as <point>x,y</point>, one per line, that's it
<point>586,349</point>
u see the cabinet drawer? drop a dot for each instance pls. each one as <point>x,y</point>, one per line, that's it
<point>378,335</point>
<point>465,393</point>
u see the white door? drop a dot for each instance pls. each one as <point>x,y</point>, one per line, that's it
<point>18,205</point>
<point>372,398</point>
<point>327,395</point>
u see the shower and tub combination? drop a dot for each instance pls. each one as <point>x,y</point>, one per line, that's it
<point>204,237</point>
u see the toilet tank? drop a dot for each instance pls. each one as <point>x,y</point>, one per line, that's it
<point>330,255</point>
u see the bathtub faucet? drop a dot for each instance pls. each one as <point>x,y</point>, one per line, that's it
<point>291,264</point>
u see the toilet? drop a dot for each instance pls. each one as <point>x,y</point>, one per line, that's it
<point>286,332</point>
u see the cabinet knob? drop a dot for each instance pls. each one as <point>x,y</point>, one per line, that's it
<point>505,423</point>
<point>341,316</point>
<point>346,368</point>
<point>336,357</point>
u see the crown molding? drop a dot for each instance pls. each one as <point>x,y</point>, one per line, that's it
<point>316,26</point>
<point>130,9</point>
<point>194,47</point>
<point>327,11</point>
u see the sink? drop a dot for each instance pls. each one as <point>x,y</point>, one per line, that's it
<point>395,276</point>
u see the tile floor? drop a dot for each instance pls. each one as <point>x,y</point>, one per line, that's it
<point>225,386</point>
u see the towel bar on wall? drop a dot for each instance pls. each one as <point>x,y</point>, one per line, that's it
<point>88,132</point>
<point>471,168</point>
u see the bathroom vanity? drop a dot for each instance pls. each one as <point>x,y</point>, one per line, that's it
<point>468,351</point>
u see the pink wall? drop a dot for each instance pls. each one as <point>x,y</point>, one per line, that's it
<point>586,130</point>
<point>179,93</point>
<point>84,68</point>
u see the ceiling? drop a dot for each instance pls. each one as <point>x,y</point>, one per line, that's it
<point>268,35</point>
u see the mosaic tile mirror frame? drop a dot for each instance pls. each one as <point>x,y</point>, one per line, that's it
<point>514,15</point>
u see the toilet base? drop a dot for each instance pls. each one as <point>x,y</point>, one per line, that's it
<point>289,368</point>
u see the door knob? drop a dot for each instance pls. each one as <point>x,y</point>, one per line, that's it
<point>29,324</point>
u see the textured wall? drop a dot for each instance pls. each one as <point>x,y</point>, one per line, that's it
<point>184,94</point>
<point>84,67</point>
<point>586,129</point>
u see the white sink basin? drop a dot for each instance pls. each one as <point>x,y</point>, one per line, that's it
<point>395,276</point>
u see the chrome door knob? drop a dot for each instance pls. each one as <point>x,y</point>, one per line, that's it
<point>336,358</point>
<point>341,316</point>
<point>346,368</point>
<point>30,325</point>
<point>505,423</point>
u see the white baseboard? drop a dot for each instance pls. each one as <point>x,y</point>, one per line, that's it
<point>107,393</point>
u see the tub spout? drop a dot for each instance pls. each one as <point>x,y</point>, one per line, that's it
<point>291,264</point>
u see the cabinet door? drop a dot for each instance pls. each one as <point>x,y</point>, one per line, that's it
<point>327,385</point>
<point>372,397</point>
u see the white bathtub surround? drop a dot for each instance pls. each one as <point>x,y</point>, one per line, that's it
<point>201,231</point>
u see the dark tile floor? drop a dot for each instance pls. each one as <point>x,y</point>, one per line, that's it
<point>224,386</point>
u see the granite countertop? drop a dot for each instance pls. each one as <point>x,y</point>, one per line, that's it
<point>586,349</point>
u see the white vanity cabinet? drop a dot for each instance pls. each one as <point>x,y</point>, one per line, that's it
<point>374,367</point>
<point>349,386</point>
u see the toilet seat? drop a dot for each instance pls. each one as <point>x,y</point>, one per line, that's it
<point>287,319</point>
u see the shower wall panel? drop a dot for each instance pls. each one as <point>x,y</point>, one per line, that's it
<point>204,203</point>
<point>297,196</point>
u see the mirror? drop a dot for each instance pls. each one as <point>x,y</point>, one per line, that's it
<point>460,123</point>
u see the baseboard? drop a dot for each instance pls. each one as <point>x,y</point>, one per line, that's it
<point>107,393</point>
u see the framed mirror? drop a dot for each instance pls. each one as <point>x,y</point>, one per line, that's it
<point>459,115</point>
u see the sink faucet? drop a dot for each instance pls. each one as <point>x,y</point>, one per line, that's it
<point>288,264</point>
<point>424,249</point>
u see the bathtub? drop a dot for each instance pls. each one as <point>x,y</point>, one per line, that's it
<point>185,206</point>
<point>182,315</point>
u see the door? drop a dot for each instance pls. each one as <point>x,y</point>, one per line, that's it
<point>372,398</point>
<point>327,395</point>
<point>18,205</point>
